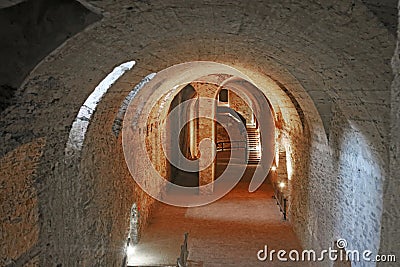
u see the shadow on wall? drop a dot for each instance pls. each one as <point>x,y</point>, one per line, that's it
<point>357,190</point>
<point>30,31</point>
<point>385,11</point>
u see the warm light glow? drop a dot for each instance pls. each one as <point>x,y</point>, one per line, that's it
<point>273,168</point>
<point>130,249</point>
<point>289,166</point>
<point>281,184</point>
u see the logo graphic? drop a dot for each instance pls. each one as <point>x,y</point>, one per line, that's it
<point>341,243</point>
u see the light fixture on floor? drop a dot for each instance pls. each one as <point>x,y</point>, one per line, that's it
<point>130,249</point>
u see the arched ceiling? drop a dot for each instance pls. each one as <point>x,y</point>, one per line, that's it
<point>386,11</point>
<point>30,30</point>
<point>339,54</point>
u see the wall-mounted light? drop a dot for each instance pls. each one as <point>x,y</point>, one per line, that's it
<point>289,165</point>
<point>273,168</point>
<point>130,249</point>
<point>281,184</point>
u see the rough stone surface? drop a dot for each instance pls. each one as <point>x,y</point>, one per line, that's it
<point>30,30</point>
<point>19,203</point>
<point>391,210</point>
<point>385,12</point>
<point>239,105</point>
<point>332,58</point>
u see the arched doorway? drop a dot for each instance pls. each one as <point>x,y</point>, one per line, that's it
<point>197,93</point>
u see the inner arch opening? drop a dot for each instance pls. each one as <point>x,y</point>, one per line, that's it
<point>183,107</point>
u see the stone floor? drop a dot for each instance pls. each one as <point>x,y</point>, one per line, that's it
<point>228,232</point>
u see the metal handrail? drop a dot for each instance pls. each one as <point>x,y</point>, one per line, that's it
<point>281,200</point>
<point>221,147</point>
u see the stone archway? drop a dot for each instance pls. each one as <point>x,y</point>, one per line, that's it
<point>160,94</point>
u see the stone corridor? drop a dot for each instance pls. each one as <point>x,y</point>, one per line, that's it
<point>228,232</point>
<point>89,137</point>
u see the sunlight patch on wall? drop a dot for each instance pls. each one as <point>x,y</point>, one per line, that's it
<point>81,123</point>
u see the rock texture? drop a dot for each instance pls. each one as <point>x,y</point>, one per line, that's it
<point>30,30</point>
<point>325,67</point>
<point>391,210</point>
<point>19,203</point>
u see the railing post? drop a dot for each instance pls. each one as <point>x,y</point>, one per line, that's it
<point>182,260</point>
<point>284,209</point>
<point>246,151</point>
<point>281,200</point>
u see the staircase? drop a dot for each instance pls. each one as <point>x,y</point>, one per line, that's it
<point>253,145</point>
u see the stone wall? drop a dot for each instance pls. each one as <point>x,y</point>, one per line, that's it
<point>355,191</point>
<point>30,31</point>
<point>19,203</point>
<point>240,106</point>
<point>391,186</point>
<point>337,54</point>
<point>222,134</point>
